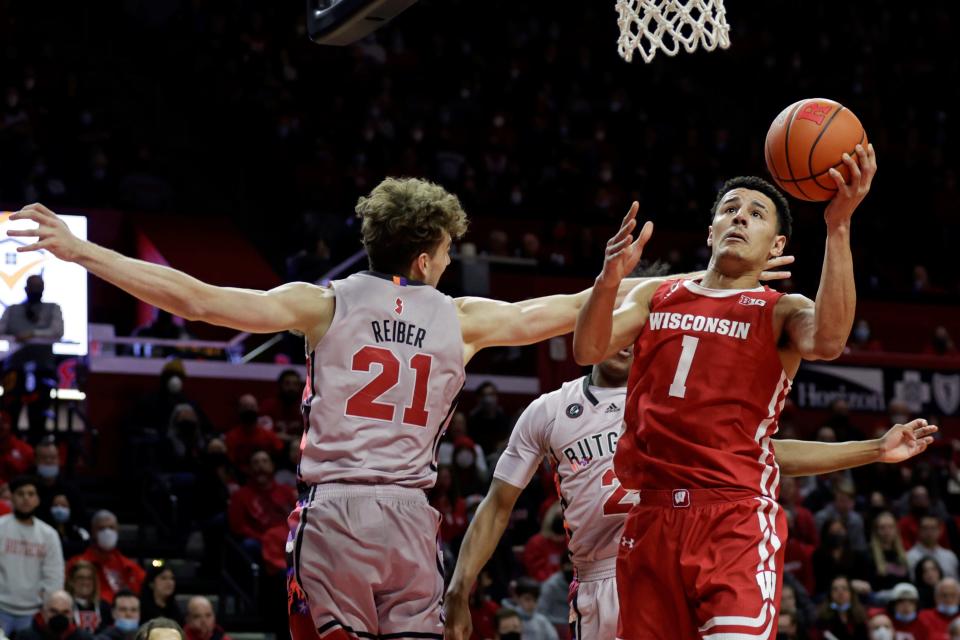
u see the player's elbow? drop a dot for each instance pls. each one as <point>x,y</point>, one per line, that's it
<point>586,354</point>
<point>828,349</point>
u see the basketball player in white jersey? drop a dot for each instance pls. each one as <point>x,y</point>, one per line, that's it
<point>386,357</point>
<point>576,428</point>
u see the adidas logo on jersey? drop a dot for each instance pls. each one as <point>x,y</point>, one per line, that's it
<point>747,301</point>
<point>613,408</point>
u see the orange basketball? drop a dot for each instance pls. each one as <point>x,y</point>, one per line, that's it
<point>805,141</point>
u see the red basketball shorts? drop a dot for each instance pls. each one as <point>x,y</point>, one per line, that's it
<point>701,564</point>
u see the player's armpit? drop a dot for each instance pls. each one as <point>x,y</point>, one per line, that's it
<point>628,320</point>
<point>802,331</point>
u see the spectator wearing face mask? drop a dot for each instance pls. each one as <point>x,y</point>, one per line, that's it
<point>841,614</point>
<point>470,480</point>
<point>543,552</point>
<point>249,436</point>
<point>508,625</point>
<point>285,408</point>
<point>126,617</point>
<point>835,557</point>
<point>90,612</point>
<point>861,338</point>
<point>488,424</point>
<point>73,538</point>
<point>880,627</point>
<point>526,593</point>
<point>31,561</point>
<point>115,571</point>
<point>54,621</point>
<point>456,431</point>
<point>51,482</point>
<point>36,325</point>
<point>154,409</point>
<point>904,602</point>
<point>937,621</point>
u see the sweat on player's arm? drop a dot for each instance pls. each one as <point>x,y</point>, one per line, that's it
<point>297,306</point>
<point>899,443</point>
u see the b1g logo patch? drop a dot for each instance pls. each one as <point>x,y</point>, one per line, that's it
<point>752,302</point>
<point>574,410</point>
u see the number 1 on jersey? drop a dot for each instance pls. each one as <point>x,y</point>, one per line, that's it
<point>679,387</point>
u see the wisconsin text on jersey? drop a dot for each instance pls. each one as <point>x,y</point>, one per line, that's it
<point>705,324</point>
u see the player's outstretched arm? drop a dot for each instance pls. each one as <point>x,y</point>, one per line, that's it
<point>595,322</point>
<point>819,330</point>
<point>901,442</point>
<point>479,543</point>
<point>295,306</point>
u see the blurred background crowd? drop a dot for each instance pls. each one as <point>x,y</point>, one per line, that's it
<point>205,108</point>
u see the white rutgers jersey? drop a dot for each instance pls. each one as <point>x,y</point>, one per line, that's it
<point>383,381</point>
<point>577,426</point>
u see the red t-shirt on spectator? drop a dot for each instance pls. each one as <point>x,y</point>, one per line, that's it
<point>915,630</point>
<point>542,556</point>
<point>799,561</point>
<point>804,526</point>
<point>484,620</point>
<point>116,571</point>
<point>936,624</point>
<point>287,419</point>
<point>254,510</point>
<point>16,458</point>
<point>243,441</point>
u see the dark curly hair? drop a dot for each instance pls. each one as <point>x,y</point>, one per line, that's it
<point>784,219</point>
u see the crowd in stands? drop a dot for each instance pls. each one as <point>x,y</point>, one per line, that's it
<point>867,549</point>
<point>527,114</point>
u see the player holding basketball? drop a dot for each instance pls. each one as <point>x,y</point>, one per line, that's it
<point>701,553</point>
<point>386,360</point>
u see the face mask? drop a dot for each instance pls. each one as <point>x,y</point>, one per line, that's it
<point>557,526</point>
<point>905,617</point>
<point>464,458</point>
<point>58,624</point>
<point>23,515</point>
<point>882,633</point>
<point>33,297</point>
<point>174,384</point>
<point>840,607</point>
<point>513,635</point>
<point>60,514</point>
<point>948,609</point>
<point>248,417</point>
<point>126,625</point>
<point>107,539</point>
<point>48,471</point>
<point>861,334</point>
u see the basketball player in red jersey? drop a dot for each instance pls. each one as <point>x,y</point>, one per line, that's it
<point>386,361</point>
<point>702,551</point>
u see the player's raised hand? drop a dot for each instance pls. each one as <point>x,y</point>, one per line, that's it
<point>458,624</point>
<point>849,195</point>
<point>771,269</point>
<point>623,251</point>
<point>904,441</point>
<point>51,232</point>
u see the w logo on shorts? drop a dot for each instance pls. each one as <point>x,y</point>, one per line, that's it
<point>681,498</point>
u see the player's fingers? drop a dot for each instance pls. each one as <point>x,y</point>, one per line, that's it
<point>32,247</point>
<point>615,249</point>
<point>645,233</point>
<point>27,214</point>
<point>923,432</point>
<point>854,168</point>
<point>767,276</point>
<point>24,233</point>
<point>624,230</point>
<point>780,261</point>
<point>838,179</point>
<point>631,212</point>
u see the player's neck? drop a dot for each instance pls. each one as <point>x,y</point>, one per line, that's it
<point>597,379</point>
<point>715,279</point>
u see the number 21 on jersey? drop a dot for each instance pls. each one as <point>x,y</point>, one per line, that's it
<point>365,404</point>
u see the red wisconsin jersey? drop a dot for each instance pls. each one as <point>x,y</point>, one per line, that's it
<point>704,393</point>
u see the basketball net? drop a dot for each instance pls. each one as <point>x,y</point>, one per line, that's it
<point>649,25</point>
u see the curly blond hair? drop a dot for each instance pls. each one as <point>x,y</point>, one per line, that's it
<point>404,217</point>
